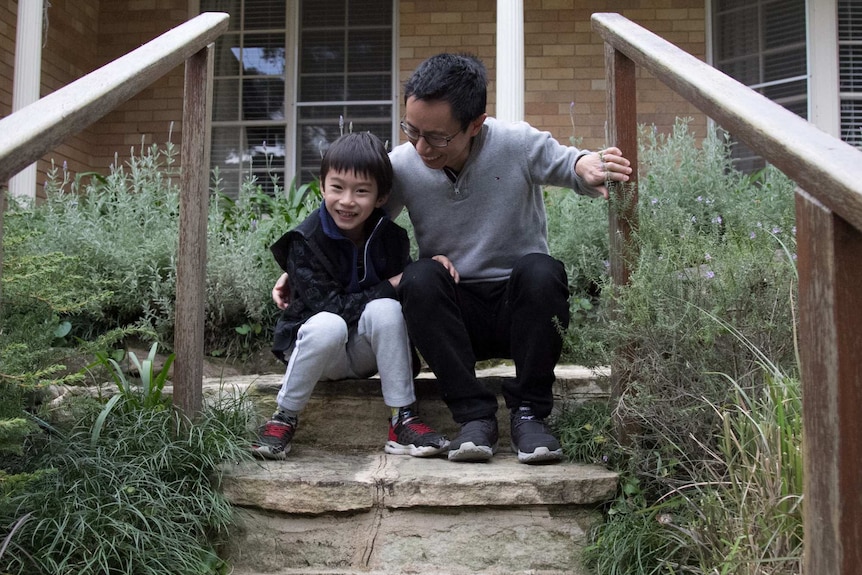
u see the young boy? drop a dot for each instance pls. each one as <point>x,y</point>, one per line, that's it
<point>344,321</point>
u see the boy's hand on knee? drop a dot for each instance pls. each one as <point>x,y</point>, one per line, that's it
<point>450,267</point>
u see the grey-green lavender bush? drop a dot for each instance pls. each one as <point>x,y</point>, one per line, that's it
<point>712,295</point>
<point>118,234</point>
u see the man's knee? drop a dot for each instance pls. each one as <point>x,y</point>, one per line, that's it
<point>540,276</point>
<point>422,274</point>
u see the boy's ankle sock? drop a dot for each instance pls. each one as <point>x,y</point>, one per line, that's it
<point>286,416</point>
<point>402,413</point>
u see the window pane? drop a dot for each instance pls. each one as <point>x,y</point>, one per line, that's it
<point>374,87</point>
<point>786,64</point>
<point>745,70</point>
<point>370,51</point>
<point>321,88</point>
<point>322,13</point>
<point>762,44</point>
<point>227,55</point>
<point>850,58</point>
<point>226,100</point>
<point>783,24</point>
<point>264,14</point>
<point>263,54</point>
<point>851,122</point>
<point>849,20</point>
<point>370,13</point>
<point>322,52</point>
<point>736,34</point>
<point>263,99</point>
<point>232,7</point>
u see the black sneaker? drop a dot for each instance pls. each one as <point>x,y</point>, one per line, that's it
<point>274,439</point>
<point>476,442</point>
<point>532,439</point>
<point>410,436</point>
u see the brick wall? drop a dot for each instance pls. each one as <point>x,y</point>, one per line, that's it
<point>564,62</point>
<point>81,36</point>
<point>564,58</point>
<point>155,115</point>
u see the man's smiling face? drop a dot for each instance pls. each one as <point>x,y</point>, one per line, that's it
<point>434,118</point>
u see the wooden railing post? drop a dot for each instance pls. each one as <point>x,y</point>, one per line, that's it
<point>830,337</point>
<point>192,251</point>
<point>622,212</point>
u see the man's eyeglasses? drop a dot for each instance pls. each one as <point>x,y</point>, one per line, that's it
<point>434,141</point>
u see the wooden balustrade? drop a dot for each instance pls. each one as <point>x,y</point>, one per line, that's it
<point>829,243</point>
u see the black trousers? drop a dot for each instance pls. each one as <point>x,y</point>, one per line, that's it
<point>454,325</point>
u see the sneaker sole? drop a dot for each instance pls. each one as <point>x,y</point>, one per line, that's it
<point>265,452</point>
<point>469,451</point>
<point>540,455</point>
<point>394,448</point>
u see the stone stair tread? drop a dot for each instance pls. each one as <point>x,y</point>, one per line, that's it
<point>564,373</point>
<point>313,482</point>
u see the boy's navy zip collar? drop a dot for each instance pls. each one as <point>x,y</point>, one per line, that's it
<point>332,231</point>
<point>378,216</point>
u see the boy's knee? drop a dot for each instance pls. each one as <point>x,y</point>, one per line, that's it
<point>383,313</point>
<point>325,328</point>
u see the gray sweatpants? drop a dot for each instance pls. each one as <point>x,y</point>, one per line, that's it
<point>326,350</point>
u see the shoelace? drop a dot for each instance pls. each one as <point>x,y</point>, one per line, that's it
<point>417,426</point>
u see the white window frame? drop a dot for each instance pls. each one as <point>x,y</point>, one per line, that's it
<point>291,110</point>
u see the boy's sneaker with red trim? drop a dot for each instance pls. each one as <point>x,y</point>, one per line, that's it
<point>410,436</point>
<point>274,439</point>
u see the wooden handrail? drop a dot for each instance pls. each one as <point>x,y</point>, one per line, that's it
<point>35,130</point>
<point>810,157</point>
<point>829,246</point>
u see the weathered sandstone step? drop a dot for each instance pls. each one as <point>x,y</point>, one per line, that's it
<point>327,513</point>
<point>359,402</point>
<point>314,482</point>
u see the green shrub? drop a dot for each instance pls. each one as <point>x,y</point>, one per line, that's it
<point>113,240</point>
<point>712,294</point>
<point>130,486</point>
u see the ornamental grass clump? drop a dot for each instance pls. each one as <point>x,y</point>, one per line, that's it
<point>127,486</point>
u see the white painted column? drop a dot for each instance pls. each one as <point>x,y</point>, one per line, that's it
<point>510,60</point>
<point>824,101</point>
<point>27,80</point>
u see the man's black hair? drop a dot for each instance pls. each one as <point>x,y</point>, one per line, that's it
<point>360,153</point>
<point>459,79</point>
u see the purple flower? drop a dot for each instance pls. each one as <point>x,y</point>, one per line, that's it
<point>716,220</point>
<point>710,274</point>
<point>707,257</point>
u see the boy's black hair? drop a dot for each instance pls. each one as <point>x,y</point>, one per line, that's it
<point>360,153</point>
<point>459,79</point>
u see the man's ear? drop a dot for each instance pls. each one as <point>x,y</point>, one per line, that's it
<point>476,125</point>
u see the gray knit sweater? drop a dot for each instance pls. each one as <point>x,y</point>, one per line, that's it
<point>494,213</point>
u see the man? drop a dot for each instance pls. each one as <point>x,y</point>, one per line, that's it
<point>472,188</point>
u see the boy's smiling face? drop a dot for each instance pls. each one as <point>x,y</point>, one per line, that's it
<point>349,199</point>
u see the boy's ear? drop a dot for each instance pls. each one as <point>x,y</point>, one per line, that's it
<point>381,200</point>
